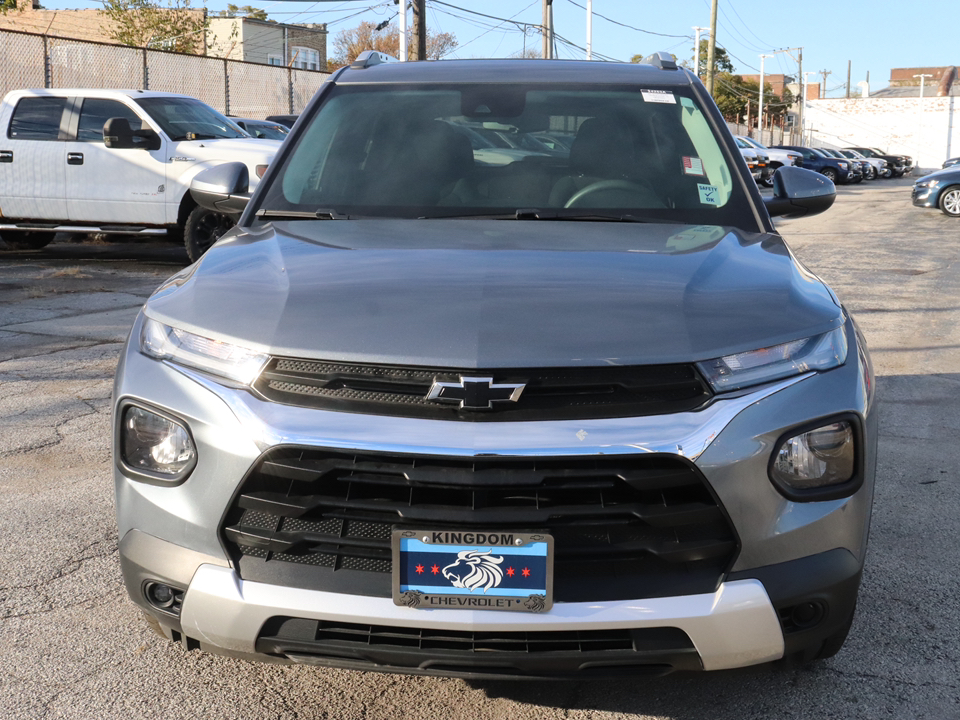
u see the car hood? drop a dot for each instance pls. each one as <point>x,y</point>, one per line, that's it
<point>497,294</point>
<point>228,148</point>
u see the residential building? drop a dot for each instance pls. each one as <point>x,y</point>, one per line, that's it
<point>267,42</point>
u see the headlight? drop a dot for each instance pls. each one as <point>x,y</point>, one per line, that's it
<point>820,352</point>
<point>808,464</point>
<point>924,183</point>
<point>213,356</point>
<point>843,165</point>
<point>155,444</point>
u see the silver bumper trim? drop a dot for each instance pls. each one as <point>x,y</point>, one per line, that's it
<point>733,627</point>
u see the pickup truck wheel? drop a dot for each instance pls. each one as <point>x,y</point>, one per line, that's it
<point>830,174</point>
<point>202,229</point>
<point>950,201</point>
<point>28,240</point>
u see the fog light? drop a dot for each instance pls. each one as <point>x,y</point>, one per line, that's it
<point>164,597</point>
<point>817,458</point>
<point>156,444</point>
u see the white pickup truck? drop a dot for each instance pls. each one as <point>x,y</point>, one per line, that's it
<point>114,161</point>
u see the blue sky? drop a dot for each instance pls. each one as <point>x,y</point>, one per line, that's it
<point>875,36</point>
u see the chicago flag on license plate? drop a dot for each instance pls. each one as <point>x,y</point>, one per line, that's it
<point>473,570</point>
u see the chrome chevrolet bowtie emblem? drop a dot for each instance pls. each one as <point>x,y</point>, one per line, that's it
<point>475,393</point>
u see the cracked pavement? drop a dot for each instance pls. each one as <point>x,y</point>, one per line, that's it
<point>73,646</point>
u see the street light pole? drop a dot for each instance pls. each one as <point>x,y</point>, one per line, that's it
<point>760,111</point>
<point>696,56</point>
<point>403,30</point>
<point>589,29</point>
<point>920,121</point>
<point>803,105</point>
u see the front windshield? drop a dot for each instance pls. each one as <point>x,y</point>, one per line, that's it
<point>269,131</point>
<point>476,150</point>
<point>188,119</point>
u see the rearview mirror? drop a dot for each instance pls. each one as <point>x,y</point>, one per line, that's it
<point>798,192</point>
<point>224,188</point>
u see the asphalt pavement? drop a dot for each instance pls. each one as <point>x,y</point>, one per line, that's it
<point>73,646</point>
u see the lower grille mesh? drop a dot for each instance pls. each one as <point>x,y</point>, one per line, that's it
<point>624,526</point>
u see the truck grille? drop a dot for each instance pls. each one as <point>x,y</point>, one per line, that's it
<point>624,526</point>
<point>549,393</point>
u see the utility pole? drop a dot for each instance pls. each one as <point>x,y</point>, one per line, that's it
<point>403,30</point>
<point>696,55</point>
<point>823,89</point>
<point>420,29</point>
<point>547,29</point>
<point>849,66</point>
<point>712,46</point>
<point>803,104</point>
<point>589,29</point>
<point>760,110</point>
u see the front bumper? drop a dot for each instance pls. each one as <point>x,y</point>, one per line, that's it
<point>925,196</point>
<point>170,534</point>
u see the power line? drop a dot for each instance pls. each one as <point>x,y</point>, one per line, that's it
<point>631,27</point>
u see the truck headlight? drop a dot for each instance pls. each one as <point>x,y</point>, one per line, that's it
<point>219,358</point>
<point>155,444</point>
<point>820,352</point>
<point>817,464</point>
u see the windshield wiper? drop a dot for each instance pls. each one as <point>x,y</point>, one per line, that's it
<point>321,214</point>
<point>535,214</point>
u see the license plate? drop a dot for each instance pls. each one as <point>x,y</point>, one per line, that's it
<point>442,569</point>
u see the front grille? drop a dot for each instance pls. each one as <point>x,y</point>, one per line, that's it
<point>624,526</point>
<point>549,393</point>
<point>551,653</point>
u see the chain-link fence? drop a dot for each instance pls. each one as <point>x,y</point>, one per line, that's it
<point>771,136</point>
<point>234,88</point>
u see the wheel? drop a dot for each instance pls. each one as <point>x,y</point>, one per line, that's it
<point>607,185</point>
<point>26,240</point>
<point>202,229</point>
<point>768,181</point>
<point>898,173</point>
<point>830,174</point>
<point>873,173</point>
<point>950,201</point>
<point>887,172</point>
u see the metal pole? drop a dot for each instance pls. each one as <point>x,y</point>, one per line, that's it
<point>545,54</point>
<point>920,121</point>
<point>803,104</point>
<point>712,46</point>
<point>403,30</point>
<point>553,53</point>
<point>849,66</point>
<point>760,110</point>
<point>696,52</point>
<point>589,29</point>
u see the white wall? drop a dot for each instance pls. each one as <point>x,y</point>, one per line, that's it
<point>895,125</point>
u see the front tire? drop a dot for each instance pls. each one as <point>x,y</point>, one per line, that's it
<point>830,174</point>
<point>768,181</point>
<point>202,229</point>
<point>26,240</point>
<point>950,201</point>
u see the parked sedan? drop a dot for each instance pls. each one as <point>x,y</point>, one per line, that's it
<point>837,170</point>
<point>951,161</point>
<point>263,128</point>
<point>939,190</point>
<point>285,120</point>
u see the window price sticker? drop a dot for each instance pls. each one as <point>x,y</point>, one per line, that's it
<point>692,166</point>
<point>659,96</point>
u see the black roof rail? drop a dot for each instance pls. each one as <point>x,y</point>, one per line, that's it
<point>369,58</point>
<point>662,60</point>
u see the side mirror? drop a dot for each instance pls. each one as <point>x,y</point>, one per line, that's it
<point>798,193</point>
<point>149,140</point>
<point>224,188</point>
<point>117,134</point>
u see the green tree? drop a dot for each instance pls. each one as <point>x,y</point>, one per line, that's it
<point>720,59</point>
<point>350,42</point>
<point>144,23</point>
<point>245,11</point>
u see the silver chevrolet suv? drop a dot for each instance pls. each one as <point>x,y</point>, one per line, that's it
<point>556,412</point>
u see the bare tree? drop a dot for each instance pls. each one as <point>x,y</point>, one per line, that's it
<point>351,42</point>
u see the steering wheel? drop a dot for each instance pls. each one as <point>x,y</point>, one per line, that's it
<point>602,185</point>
